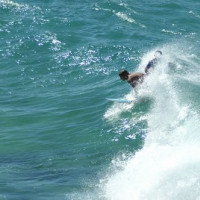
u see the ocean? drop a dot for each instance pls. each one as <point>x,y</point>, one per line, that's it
<point>61,139</point>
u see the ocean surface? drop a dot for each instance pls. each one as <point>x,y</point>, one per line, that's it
<point>60,138</point>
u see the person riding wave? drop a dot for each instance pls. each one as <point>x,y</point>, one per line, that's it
<point>137,77</point>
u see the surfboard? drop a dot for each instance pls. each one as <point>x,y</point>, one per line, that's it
<point>119,100</point>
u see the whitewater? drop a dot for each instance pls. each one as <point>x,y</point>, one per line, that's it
<point>167,166</point>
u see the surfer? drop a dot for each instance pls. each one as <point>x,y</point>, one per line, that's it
<point>135,78</point>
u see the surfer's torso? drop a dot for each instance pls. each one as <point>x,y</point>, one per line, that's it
<point>135,78</point>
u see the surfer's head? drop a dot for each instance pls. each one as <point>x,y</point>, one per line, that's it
<point>123,75</point>
<point>158,54</point>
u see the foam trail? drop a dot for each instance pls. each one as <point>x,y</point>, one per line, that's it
<point>168,165</point>
<point>122,15</point>
<point>117,108</point>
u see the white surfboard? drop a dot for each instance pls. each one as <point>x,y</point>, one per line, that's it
<point>120,100</point>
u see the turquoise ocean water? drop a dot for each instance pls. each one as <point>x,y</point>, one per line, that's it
<point>61,138</point>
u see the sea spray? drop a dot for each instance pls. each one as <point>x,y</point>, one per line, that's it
<point>167,167</point>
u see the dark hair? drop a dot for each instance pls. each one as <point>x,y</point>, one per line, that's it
<point>123,73</point>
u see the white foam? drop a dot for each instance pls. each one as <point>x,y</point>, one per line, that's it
<point>193,13</point>
<point>116,109</point>
<point>15,5</point>
<point>125,17</point>
<point>167,167</point>
<point>157,172</point>
<point>122,15</point>
<point>171,32</point>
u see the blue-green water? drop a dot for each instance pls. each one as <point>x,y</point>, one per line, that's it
<point>61,138</point>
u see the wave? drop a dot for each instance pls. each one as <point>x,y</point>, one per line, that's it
<point>167,167</point>
<point>121,14</point>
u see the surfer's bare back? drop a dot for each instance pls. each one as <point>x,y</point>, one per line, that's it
<point>135,78</point>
